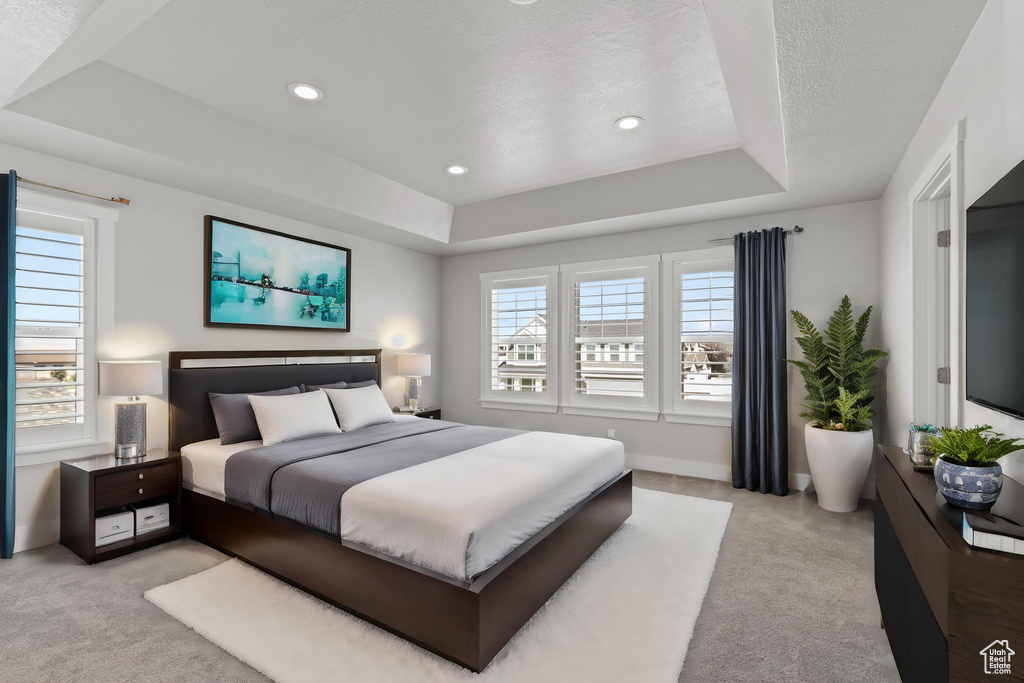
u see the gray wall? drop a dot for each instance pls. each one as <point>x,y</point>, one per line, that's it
<point>838,254</point>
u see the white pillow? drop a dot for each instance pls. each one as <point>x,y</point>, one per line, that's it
<point>285,418</point>
<point>361,407</point>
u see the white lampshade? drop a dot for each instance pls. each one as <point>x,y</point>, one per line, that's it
<point>414,364</point>
<point>131,378</point>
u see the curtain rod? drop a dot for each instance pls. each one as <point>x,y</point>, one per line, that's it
<point>795,231</point>
<point>115,200</point>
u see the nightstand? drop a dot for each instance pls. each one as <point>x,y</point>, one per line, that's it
<point>429,413</point>
<point>101,485</point>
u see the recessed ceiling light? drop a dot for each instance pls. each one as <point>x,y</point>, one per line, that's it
<point>522,2</point>
<point>628,122</point>
<point>305,91</point>
<point>455,169</point>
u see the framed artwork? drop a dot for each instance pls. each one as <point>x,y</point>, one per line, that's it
<point>261,278</point>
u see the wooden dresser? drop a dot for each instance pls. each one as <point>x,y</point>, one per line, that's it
<point>942,601</point>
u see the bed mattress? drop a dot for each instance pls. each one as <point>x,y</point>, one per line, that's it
<point>447,497</point>
<point>202,463</point>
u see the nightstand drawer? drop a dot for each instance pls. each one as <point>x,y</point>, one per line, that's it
<point>124,488</point>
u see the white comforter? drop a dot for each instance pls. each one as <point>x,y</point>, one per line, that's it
<point>461,514</point>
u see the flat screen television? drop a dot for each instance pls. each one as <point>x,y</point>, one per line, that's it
<point>995,297</point>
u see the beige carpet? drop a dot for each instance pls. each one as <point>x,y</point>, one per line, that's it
<point>627,615</point>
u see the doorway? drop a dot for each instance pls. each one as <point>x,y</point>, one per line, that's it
<point>937,248</point>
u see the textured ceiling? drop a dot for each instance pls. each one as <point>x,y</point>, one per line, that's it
<point>750,106</point>
<point>857,79</point>
<point>30,31</point>
<point>525,96</point>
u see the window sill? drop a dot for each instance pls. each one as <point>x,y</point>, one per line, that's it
<point>624,413</point>
<point>518,405</point>
<point>44,454</point>
<point>699,419</point>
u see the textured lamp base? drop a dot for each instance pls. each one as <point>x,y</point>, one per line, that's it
<point>415,384</point>
<point>130,427</point>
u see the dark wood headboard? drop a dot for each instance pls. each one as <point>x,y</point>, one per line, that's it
<point>193,375</point>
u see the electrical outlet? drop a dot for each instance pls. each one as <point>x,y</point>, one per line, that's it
<point>611,433</point>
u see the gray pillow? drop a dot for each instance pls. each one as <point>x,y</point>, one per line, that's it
<point>314,387</point>
<point>339,385</point>
<point>236,421</point>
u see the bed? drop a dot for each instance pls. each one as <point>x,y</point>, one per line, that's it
<point>450,536</point>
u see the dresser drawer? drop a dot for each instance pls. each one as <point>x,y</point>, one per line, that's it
<point>124,488</point>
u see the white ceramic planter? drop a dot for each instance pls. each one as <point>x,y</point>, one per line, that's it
<point>839,464</point>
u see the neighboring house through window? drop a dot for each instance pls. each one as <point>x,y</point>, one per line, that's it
<point>615,331</point>
<point>699,289</point>
<point>518,367</point>
<point>611,308</point>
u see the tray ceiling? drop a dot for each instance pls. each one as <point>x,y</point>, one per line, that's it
<point>748,106</point>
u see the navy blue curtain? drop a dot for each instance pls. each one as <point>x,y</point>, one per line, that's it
<point>8,202</point>
<point>760,419</point>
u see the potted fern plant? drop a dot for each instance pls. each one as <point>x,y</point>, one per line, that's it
<point>837,372</point>
<point>966,468</point>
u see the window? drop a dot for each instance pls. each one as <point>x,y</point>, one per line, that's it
<point>50,333</point>
<point>611,305</point>
<point>699,341</point>
<point>518,369</point>
<point>56,316</point>
<point>527,352</point>
<point>614,335</point>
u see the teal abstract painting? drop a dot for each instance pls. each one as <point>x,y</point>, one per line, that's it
<point>261,278</point>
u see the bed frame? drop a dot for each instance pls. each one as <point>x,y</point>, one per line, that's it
<point>466,622</point>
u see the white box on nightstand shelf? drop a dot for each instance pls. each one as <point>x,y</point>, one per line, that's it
<point>151,518</point>
<point>114,528</point>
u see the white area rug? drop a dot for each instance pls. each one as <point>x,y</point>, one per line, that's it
<point>626,615</point>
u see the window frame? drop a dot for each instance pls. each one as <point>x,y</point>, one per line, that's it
<point>546,401</point>
<point>674,407</point>
<point>52,443</point>
<point>646,407</point>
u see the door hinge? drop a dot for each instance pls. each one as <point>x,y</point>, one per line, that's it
<point>943,376</point>
<point>944,238</point>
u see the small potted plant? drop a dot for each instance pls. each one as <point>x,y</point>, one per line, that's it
<point>837,371</point>
<point>966,470</point>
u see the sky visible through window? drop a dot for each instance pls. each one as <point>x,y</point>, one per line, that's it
<point>611,299</point>
<point>620,299</point>
<point>706,303</point>
<point>516,307</point>
<point>48,283</point>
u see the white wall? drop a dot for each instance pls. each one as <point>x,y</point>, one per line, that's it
<point>159,300</point>
<point>984,88</point>
<point>838,254</point>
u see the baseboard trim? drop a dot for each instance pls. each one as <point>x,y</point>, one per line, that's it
<point>689,468</point>
<point>702,470</point>
<point>799,481</point>
<point>29,536</point>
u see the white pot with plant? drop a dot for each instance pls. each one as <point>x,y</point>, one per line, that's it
<point>837,372</point>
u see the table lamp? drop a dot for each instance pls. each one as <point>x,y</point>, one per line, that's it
<point>133,379</point>
<point>415,366</point>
